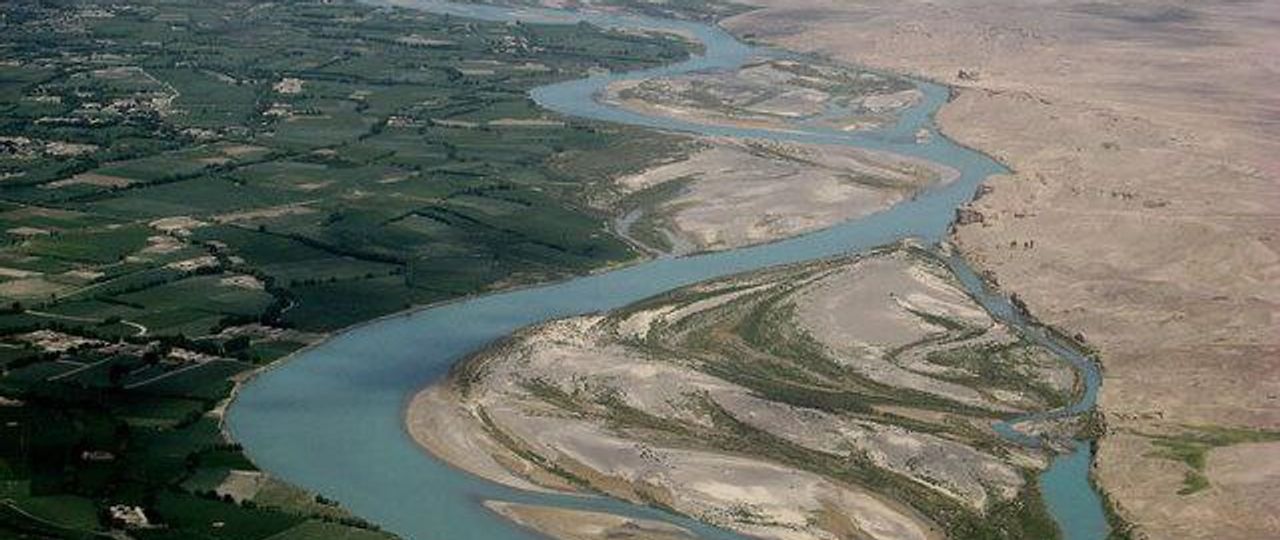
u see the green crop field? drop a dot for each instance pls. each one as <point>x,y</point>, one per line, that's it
<point>193,188</point>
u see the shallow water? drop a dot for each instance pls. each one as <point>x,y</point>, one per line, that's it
<point>331,419</point>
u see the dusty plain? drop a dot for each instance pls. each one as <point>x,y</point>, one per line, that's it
<point>1141,214</point>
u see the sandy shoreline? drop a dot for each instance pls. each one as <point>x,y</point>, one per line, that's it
<point>436,421</point>
<point>567,524</point>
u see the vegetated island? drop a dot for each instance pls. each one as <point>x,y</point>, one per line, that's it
<point>838,398</point>
<point>774,94</point>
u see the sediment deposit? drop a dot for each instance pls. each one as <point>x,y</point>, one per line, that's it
<point>835,398</point>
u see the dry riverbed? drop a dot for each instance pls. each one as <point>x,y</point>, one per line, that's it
<point>843,398</point>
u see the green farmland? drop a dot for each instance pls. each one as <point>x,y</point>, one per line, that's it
<point>192,189</point>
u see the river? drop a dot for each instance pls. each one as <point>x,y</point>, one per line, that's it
<point>331,418</point>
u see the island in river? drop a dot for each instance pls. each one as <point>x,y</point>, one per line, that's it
<point>851,397</point>
<point>1136,215</point>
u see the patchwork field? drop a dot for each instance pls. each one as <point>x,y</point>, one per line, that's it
<point>190,190</point>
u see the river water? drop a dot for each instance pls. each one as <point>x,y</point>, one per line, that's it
<point>331,419</point>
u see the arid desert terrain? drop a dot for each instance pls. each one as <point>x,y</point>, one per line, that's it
<point>1141,214</point>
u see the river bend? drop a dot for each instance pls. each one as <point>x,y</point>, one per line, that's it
<point>330,419</point>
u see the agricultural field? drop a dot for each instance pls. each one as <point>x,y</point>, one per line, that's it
<point>192,189</point>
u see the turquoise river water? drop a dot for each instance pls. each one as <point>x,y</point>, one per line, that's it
<point>331,418</point>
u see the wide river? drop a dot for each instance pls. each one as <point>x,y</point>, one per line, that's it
<point>331,418</point>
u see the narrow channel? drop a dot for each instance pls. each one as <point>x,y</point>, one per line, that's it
<point>330,419</point>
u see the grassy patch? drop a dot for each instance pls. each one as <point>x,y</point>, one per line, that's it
<point>198,517</point>
<point>321,530</point>
<point>68,510</point>
<point>1193,445</point>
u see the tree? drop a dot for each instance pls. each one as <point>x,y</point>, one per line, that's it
<point>235,344</point>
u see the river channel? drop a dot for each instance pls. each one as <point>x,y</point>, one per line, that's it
<point>331,418</point>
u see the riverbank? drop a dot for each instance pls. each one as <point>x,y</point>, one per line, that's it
<point>567,524</point>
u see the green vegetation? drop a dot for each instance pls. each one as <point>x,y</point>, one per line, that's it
<point>1193,445</point>
<point>1022,517</point>
<point>1007,366</point>
<point>1121,529</point>
<point>649,221</point>
<point>836,96</point>
<point>321,530</point>
<point>190,189</point>
<point>790,367</point>
<point>779,361</point>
